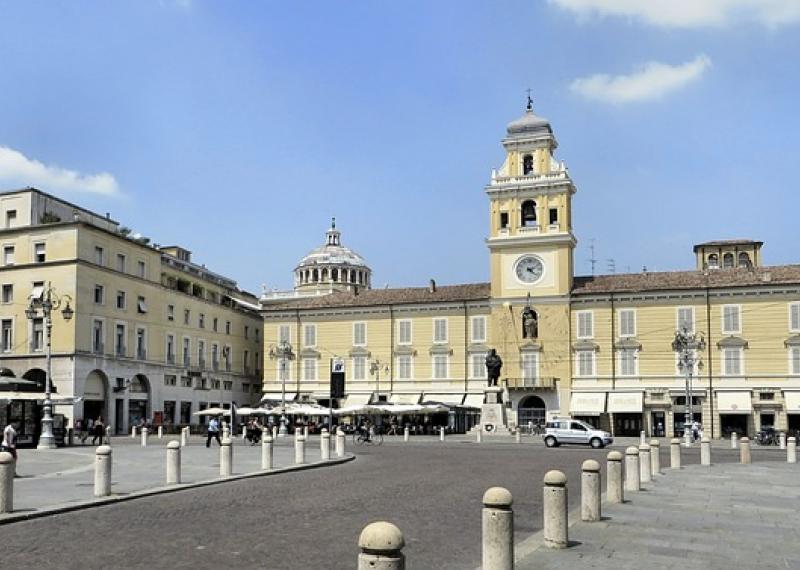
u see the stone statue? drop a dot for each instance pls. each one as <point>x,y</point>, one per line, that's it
<point>493,366</point>
<point>530,323</point>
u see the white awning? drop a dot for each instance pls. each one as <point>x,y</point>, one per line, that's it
<point>792,402</point>
<point>474,401</point>
<point>625,402</point>
<point>37,292</point>
<point>405,398</point>
<point>587,403</point>
<point>141,306</point>
<point>734,403</point>
<point>276,396</point>
<point>57,400</point>
<point>357,400</point>
<point>444,398</point>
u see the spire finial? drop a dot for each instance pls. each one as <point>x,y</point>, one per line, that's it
<point>529,106</point>
<point>333,223</point>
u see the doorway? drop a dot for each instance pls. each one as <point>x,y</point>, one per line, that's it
<point>629,425</point>
<point>729,423</point>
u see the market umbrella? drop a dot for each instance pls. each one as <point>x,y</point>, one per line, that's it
<point>213,412</point>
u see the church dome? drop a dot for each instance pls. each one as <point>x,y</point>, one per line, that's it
<point>332,265</point>
<point>529,123</point>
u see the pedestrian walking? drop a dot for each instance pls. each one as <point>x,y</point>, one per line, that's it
<point>695,431</point>
<point>98,430</point>
<point>213,432</point>
<point>9,442</point>
<point>83,430</point>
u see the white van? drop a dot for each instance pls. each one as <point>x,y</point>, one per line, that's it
<point>567,430</point>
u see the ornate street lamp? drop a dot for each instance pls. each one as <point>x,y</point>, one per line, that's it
<point>46,304</point>
<point>375,368</point>
<point>282,352</point>
<point>686,344</point>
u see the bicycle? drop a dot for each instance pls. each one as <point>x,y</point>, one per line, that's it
<point>360,438</point>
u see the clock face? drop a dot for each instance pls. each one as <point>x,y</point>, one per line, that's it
<point>529,269</point>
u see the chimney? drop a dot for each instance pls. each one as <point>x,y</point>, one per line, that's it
<point>432,286</point>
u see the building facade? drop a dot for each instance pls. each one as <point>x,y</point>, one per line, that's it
<point>596,347</point>
<point>154,335</point>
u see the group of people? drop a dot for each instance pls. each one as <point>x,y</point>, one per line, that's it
<point>97,429</point>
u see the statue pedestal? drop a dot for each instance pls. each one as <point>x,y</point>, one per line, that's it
<point>493,413</point>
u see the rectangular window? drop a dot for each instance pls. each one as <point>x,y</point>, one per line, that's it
<point>142,269</point>
<point>7,328</point>
<point>478,368</point>
<point>99,257</point>
<point>186,315</point>
<point>627,323</point>
<point>404,332</point>
<point>201,321</point>
<point>119,341</point>
<point>440,363</point>
<point>359,334</point>
<point>97,337</point>
<point>141,344</point>
<point>478,329</point>
<point>8,255</point>
<point>37,291</point>
<point>730,319</point>
<point>170,349</point>
<point>98,294</point>
<point>37,339</point>
<point>141,307</point>
<point>201,353</point>
<point>246,361</point>
<point>553,216</point>
<point>227,385</point>
<point>170,312</point>
<point>503,220</point>
<point>529,367</point>
<point>11,217</point>
<point>227,327</point>
<point>685,317</point>
<point>8,293</point>
<point>585,324</point>
<point>121,300</point>
<point>732,361</point>
<point>404,367</point>
<point>794,360</point>
<point>246,331</point>
<point>627,362</point>
<point>310,335</point>
<point>440,330</point>
<point>187,352</point>
<point>359,368</point>
<point>170,380</point>
<point>121,263</point>
<point>39,254</point>
<point>215,357</point>
<point>284,333</point>
<point>794,317</point>
<point>215,324</point>
<point>309,369</point>
<point>585,363</point>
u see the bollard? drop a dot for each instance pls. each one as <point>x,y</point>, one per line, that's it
<point>744,451</point>
<point>590,491</point>
<point>782,440</point>
<point>632,482</point>
<point>498,530</point>
<point>339,443</point>
<point>615,491</point>
<point>325,445</point>
<point>108,435</point>
<point>381,545</point>
<point>791,450</point>
<point>642,438</point>
<point>173,462</point>
<point>479,435</point>
<point>675,453</point>
<point>274,432</point>
<point>518,436</point>
<point>133,432</point>
<point>102,471</point>
<point>555,510</point>
<point>244,433</point>
<point>644,464</point>
<point>305,432</point>
<point>144,436</point>
<point>184,436</point>
<point>226,432</point>
<point>705,451</point>
<point>655,457</point>
<point>405,433</point>
<point>300,450</point>
<point>160,432</point>
<point>226,458</point>
<point>266,451</point>
<point>733,440</point>
<point>441,433</point>
<point>7,467</point>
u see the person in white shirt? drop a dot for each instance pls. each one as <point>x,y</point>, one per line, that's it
<point>10,440</point>
<point>213,432</point>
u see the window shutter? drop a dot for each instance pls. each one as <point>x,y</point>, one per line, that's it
<point>795,317</point>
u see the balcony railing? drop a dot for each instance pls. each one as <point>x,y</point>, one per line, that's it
<point>544,382</point>
<point>120,350</point>
<point>97,348</point>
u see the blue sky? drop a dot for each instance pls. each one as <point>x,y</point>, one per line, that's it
<point>238,129</point>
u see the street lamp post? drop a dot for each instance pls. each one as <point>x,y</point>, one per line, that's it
<point>375,368</point>
<point>282,351</point>
<point>685,344</point>
<point>46,303</point>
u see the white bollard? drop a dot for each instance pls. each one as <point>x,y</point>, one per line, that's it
<point>632,482</point>
<point>266,450</point>
<point>655,457</point>
<point>160,432</point>
<point>381,545</point>
<point>244,433</point>
<point>173,462</point>
<point>479,435</point>
<point>498,529</point>
<point>406,432</point>
<point>339,443</point>
<point>675,453</point>
<point>274,432</point>
<point>615,490</point>
<point>590,491</point>
<point>518,436</point>
<point>108,435</point>
<point>7,468</point>
<point>642,438</point>
<point>782,440</point>
<point>102,471</point>
<point>441,433</point>
<point>226,458</point>
<point>184,436</point>
<point>555,510</point>
<point>144,436</point>
<point>133,432</point>
<point>705,451</point>
<point>791,450</point>
<point>226,432</point>
<point>644,464</point>
<point>325,445</point>
<point>300,450</point>
<point>305,432</point>
<point>733,440</point>
<point>744,451</point>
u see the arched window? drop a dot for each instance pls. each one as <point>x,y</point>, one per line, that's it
<point>529,213</point>
<point>352,276</point>
<point>334,274</point>
<point>744,259</point>
<point>527,164</point>
<point>324,275</point>
<point>315,276</point>
<point>727,260</point>
<point>713,261</point>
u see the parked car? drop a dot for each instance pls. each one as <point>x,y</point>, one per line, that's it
<point>566,430</point>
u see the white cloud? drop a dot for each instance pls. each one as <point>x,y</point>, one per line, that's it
<point>652,81</point>
<point>17,171</point>
<point>690,13</point>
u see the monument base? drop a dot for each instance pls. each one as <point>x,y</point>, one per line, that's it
<point>493,413</point>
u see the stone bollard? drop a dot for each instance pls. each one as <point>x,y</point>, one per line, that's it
<point>632,482</point>
<point>160,432</point>
<point>325,445</point>
<point>733,440</point>
<point>173,462</point>
<point>642,438</point>
<point>102,471</point>
<point>518,436</point>
<point>782,440</point>
<point>266,451</point>
<point>479,435</point>
<point>645,475</point>
<point>441,433</point>
<point>498,530</point>
<point>590,491</point>
<point>274,432</point>
<point>300,450</point>
<point>226,458</point>
<point>655,457</point>
<point>791,450</point>
<point>133,432</point>
<point>615,490</point>
<point>226,432</point>
<point>406,431</point>
<point>744,450</point>
<point>184,436</point>
<point>144,436</point>
<point>7,468</point>
<point>381,545</point>
<point>705,451</point>
<point>675,453</point>
<point>305,432</point>
<point>555,510</point>
<point>108,435</point>
<point>339,443</point>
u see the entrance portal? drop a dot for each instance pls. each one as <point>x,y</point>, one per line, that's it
<point>627,424</point>
<point>531,412</point>
<point>729,423</point>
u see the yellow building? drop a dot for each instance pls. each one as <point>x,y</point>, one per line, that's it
<point>598,347</point>
<point>154,335</point>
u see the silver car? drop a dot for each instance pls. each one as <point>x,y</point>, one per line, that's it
<point>567,430</point>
